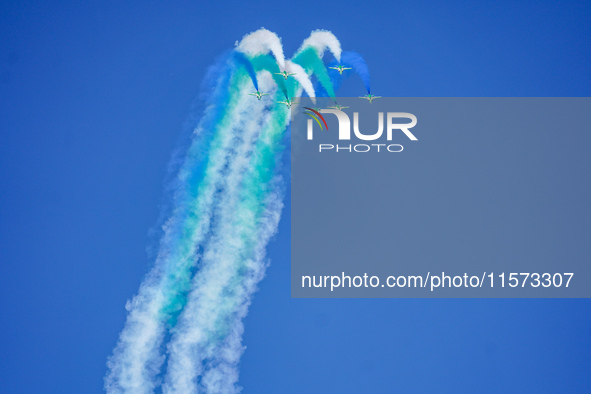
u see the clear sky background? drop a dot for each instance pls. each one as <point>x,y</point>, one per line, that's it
<point>93,99</point>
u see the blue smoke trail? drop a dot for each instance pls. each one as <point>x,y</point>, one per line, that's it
<point>243,60</point>
<point>357,63</point>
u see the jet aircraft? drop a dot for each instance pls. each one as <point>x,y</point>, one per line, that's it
<point>339,107</point>
<point>341,68</point>
<point>288,102</point>
<point>285,74</point>
<point>370,97</point>
<point>258,94</point>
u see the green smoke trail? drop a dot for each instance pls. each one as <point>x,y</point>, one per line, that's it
<point>162,294</point>
<point>177,280</point>
<point>248,220</point>
<point>178,272</point>
<point>268,63</point>
<point>313,64</point>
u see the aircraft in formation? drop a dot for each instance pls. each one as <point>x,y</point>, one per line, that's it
<point>288,102</point>
<point>258,94</point>
<point>341,68</point>
<point>285,74</point>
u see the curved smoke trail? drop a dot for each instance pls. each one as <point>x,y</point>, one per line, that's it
<point>302,78</point>
<point>320,41</point>
<point>243,60</point>
<point>262,42</point>
<point>267,63</point>
<point>310,54</point>
<point>309,60</point>
<point>227,203</point>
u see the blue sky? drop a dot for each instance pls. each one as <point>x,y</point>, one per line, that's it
<point>93,99</point>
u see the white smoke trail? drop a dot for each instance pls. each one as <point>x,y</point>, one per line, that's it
<point>302,78</point>
<point>321,40</point>
<point>221,374</point>
<point>231,268</point>
<point>137,359</point>
<point>213,311</point>
<point>261,42</point>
